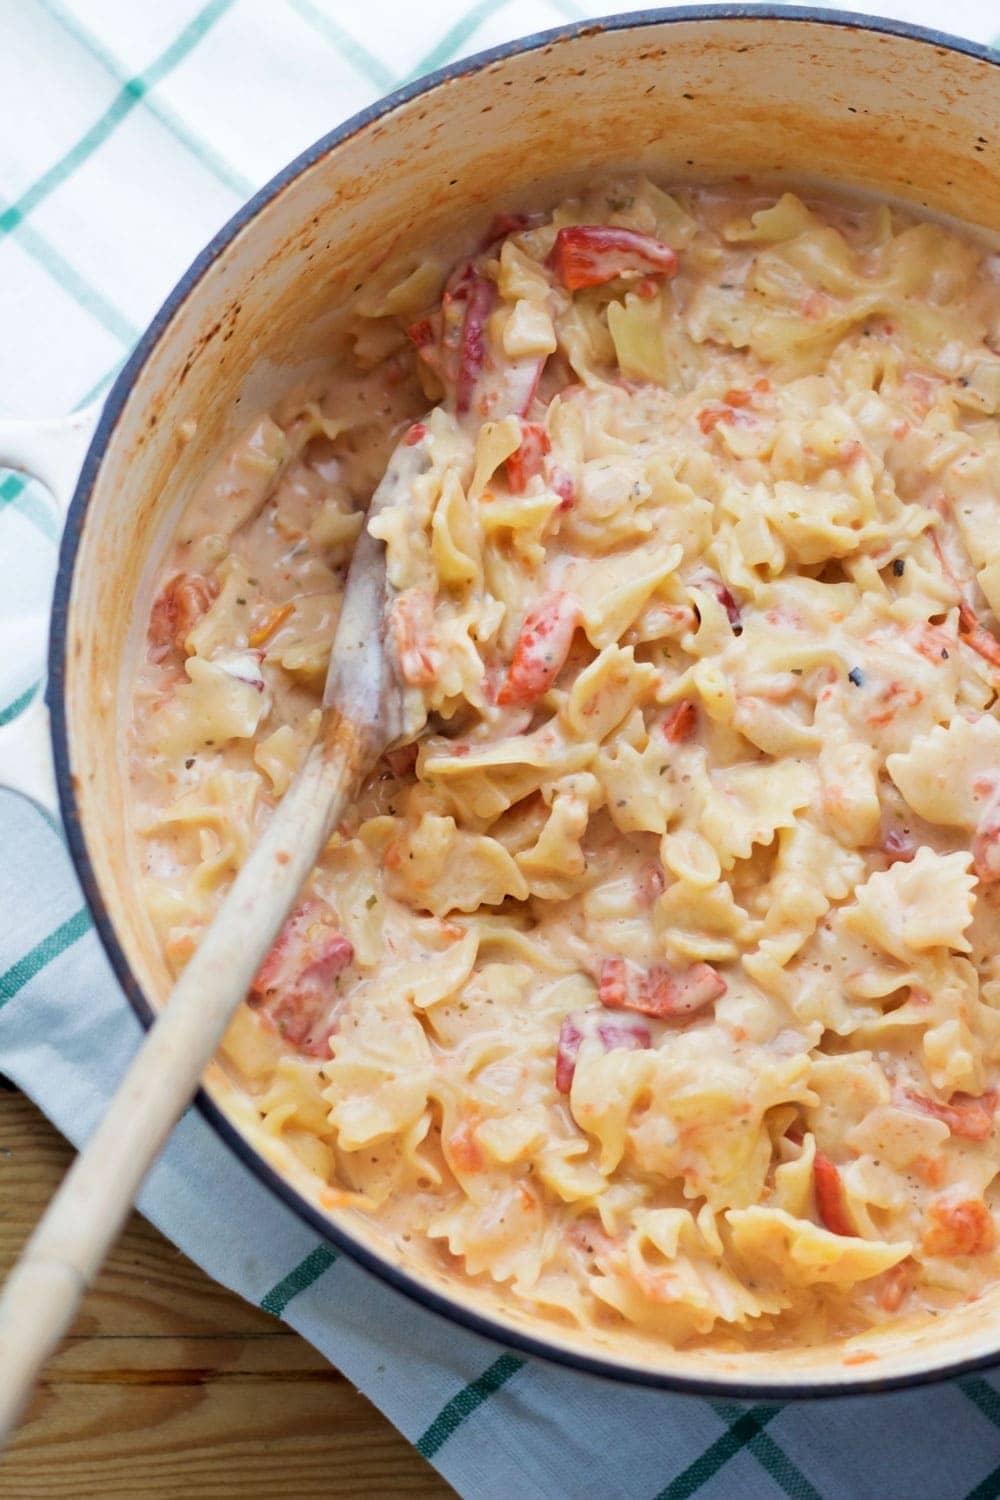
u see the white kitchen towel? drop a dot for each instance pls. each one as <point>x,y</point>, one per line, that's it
<point>131,132</point>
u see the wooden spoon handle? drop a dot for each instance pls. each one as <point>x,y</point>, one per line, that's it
<point>71,1240</point>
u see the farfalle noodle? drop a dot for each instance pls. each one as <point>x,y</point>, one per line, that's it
<point>656,981</point>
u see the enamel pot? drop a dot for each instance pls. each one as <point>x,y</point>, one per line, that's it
<point>695,94</point>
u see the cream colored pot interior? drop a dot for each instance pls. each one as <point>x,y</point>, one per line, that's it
<point>684,99</point>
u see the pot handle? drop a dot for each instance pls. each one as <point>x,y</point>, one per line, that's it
<point>52,451</point>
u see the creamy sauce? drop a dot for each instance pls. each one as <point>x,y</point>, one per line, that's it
<point>656,979</point>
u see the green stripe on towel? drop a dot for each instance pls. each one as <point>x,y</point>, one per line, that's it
<point>305,1273</point>
<point>982,1394</point>
<point>199,148</point>
<point>347,45</point>
<point>451,1416</point>
<point>774,1460</point>
<point>13,710</point>
<point>122,105</point>
<point>739,1435</point>
<point>33,962</point>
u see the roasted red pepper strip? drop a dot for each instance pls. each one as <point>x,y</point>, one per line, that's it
<point>986,845</point>
<point>713,584</point>
<point>294,985</point>
<point>964,1114</point>
<point>480,297</point>
<point>526,460</point>
<point>590,254</point>
<point>462,1150</point>
<point>411,620</point>
<point>964,1228</point>
<point>658,992</point>
<point>570,1038</point>
<point>831,1202</point>
<point>542,648</point>
<point>178,607</point>
<point>895,1285</point>
<point>562,484</point>
<point>725,598</point>
<point>626,1032</point>
<point>681,722</point>
<point>421,333</point>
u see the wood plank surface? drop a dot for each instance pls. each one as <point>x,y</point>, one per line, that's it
<point>171,1387</point>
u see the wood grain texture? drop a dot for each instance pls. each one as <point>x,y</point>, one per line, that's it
<point>169,1386</point>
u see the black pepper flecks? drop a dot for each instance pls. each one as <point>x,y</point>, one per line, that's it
<point>856,676</point>
<point>899,567</point>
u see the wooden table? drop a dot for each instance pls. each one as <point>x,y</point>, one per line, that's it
<point>171,1387</point>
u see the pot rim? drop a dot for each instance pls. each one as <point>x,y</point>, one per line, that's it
<point>407,1282</point>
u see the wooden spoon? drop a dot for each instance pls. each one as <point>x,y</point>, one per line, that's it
<point>363,713</point>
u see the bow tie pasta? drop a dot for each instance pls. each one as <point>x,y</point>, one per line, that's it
<point>656,980</point>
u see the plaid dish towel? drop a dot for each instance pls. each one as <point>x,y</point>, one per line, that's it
<point>132,132</point>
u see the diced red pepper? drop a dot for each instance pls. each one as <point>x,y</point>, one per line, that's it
<point>658,992</point>
<point>479,299</point>
<point>681,722</point>
<point>895,1284</point>
<point>725,597</point>
<point>714,584</point>
<point>986,845</point>
<point>747,396</point>
<point>542,648</point>
<point>411,619</point>
<point>831,1200</point>
<point>177,609</point>
<point>294,986</point>
<point>570,1039</point>
<point>591,254</point>
<point>421,333</point>
<point>625,1032</point>
<point>965,1115</point>
<point>562,484</point>
<point>733,408</point>
<point>964,1228</point>
<point>414,434</point>
<point>479,374</point>
<point>514,387</point>
<point>710,416</point>
<point>738,397</point>
<point>526,460</point>
<point>462,1148</point>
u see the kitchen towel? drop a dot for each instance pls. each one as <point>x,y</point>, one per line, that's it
<point>130,134</point>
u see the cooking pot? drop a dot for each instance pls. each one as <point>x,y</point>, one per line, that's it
<point>695,94</point>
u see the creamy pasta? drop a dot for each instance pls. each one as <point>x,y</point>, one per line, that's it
<point>656,978</point>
